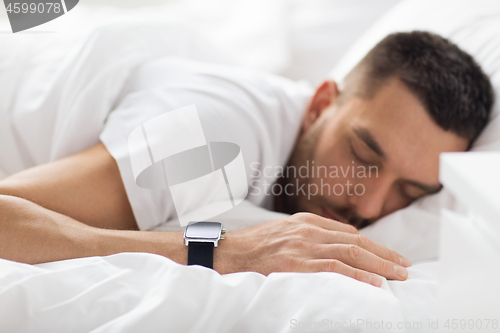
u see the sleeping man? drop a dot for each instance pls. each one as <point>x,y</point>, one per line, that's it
<point>338,158</point>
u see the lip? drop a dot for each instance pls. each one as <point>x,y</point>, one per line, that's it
<point>330,215</point>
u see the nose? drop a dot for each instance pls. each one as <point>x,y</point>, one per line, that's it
<point>370,203</point>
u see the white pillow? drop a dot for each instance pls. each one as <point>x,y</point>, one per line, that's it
<point>320,31</point>
<point>475,27</point>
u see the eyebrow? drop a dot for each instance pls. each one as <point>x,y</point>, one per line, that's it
<point>370,141</point>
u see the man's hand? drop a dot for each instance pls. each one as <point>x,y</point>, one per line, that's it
<point>308,243</point>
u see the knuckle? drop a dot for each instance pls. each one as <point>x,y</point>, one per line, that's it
<point>362,241</point>
<point>354,252</point>
<point>291,264</point>
<point>336,235</point>
<point>383,266</point>
<point>297,216</point>
<point>303,216</point>
<point>287,223</point>
<point>334,265</point>
<point>394,257</point>
<point>359,275</point>
<point>352,229</point>
<point>297,243</point>
<point>304,230</point>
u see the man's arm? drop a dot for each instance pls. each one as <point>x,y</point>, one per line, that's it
<point>32,234</point>
<point>42,210</point>
<point>86,187</point>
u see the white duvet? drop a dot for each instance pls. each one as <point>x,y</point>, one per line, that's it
<point>50,90</point>
<point>139,292</point>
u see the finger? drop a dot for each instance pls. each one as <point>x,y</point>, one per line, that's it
<point>327,265</point>
<point>358,257</point>
<point>333,237</point>
<point>324,223</point>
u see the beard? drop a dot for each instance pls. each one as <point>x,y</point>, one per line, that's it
<point>304,152</point>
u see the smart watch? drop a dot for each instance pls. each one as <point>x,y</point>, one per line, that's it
<point>201,238</point>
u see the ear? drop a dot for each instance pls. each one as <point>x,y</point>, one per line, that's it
<point>325,95</point>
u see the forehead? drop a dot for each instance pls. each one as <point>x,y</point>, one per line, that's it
<point>409,137</point>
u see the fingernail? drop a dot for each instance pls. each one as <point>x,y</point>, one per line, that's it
<point>401,271</point>
<point>405,262</point>
<point>375,281</point>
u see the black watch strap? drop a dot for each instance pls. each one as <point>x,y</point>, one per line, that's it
<point>201,253</point>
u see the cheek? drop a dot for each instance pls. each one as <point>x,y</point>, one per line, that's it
<point>394,200</point>
<point>395,203</point>
<point>333,168</point>
<point>331,149</point>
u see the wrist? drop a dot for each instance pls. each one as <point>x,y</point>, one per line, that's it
<point>167,244</point>
<point>175,249</point>
<point>225,256</point>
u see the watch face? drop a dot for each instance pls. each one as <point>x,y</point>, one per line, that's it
<point>210,230</point>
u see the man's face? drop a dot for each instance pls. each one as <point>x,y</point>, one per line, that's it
<point>370,157</point>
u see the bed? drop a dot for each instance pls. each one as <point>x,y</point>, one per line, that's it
<point>48,80</point>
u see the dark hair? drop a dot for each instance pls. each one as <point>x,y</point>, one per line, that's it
<point>448,82</point>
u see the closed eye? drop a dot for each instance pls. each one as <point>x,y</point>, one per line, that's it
<point>357,157</point>
<point>404,192</point>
